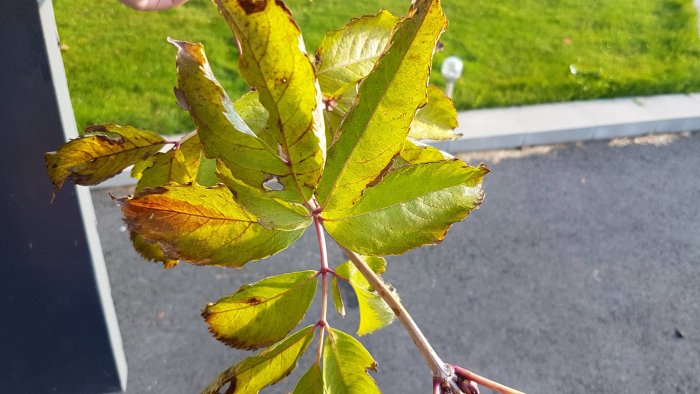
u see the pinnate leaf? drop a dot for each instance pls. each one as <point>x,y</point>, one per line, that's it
<point>375,128</point>
<point>179,165</point>
<point>103,152</point>
<point>411,207</point>
<point>437,120</point>
<point>204,226</point>
<point>274,62</point>
<point>311,382</point>
<point>222,131</point>
<point>375,314</point>
<point>345,365</point>
<point>262,313</point>
<point>269,367</point>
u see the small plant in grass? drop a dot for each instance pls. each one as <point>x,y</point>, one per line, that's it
<point>326,141</point>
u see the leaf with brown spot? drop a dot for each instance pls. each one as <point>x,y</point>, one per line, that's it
<point>274,62</point>
<point>151,251</point>
<point>269,367</point>
<point>262,313</point>
<point>179,165</point>
<point>204,226</point>
<point>103,152</point>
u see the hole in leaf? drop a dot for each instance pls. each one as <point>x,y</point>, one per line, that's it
<point>273,184</point>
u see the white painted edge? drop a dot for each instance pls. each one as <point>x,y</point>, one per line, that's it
<point>70,130</point>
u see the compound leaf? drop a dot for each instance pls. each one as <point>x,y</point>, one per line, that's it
<point>345,365</point>
<point>347,55</point>
<point>204,226</point>
<point>103,152</point>
<point>311,382</point>
<point>179,165</point>
<point>269,367</point>
<point>274,62</point>
<point>375,128</point>
<point>222,131</point>
<point>412,206</point>
<point>375,314</point>
<point>262,313</point>
<point>437,120</point>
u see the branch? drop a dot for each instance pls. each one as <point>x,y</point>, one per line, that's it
<point>441,370</point>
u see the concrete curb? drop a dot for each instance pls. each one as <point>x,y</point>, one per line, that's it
<point>514,127</point>
<point>502,128</point>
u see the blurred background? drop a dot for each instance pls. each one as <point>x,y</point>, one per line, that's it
<point>120,68</point>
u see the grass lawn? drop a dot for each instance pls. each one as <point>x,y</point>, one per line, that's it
<point>120,69</point>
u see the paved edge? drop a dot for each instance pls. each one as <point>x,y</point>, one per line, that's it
<point>513,127</point>
<point>543,124</point>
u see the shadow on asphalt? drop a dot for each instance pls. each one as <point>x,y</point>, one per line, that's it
<point>579,273</point>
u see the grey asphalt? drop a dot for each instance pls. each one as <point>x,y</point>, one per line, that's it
<point>580,273</point>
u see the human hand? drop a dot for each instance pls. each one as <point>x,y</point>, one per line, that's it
<point>152,5</point>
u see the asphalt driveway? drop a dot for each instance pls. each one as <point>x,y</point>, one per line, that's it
<point>580,273</point>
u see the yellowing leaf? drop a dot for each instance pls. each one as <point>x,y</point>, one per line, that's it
<point>345,365</point>
<point>262,313</point>
<point>437,120</point>
<point>311,382</point>
<point>252,112</point>
<point>416,153</point>
<point>375,314</point>
<point>271,212</point>
<point>375,128</point>
<point>151,251</point>
<point>103,152</point>
<point>411,207</point>
<point>204,226</point>
<point>273,61</point>
<point>223,133</point>
<point>347,55</point>
<point>179,165</point>
<point>269,367</point>
<point>337,297</point>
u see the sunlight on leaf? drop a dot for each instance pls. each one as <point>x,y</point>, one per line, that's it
<point>269,367</point>
<point>437,120</point>
<point>311,382</point>
<point>345,365</point>
<point>262,313</point>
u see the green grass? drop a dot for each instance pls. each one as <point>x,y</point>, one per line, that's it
<point>120,69</point>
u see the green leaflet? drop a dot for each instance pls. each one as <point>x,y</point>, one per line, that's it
<point>345,365</point>
<point>252,112</point>
<point>274,62</point>
<point>204,226</point>
<point>411,207</point>
<point>151,251</point>
<point>416,153</point>
<point>261,313</point>
<point>375,128</point>
<point>269,367</point>
<point>437,120</point>
<point>224,135</point>
<point>311,382</point>
<point>179,165</point>
<point>337,297</point>
<point>271,212</point>
<point>375,314</point>
<point>103,152</point>
<point>347,55</point>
